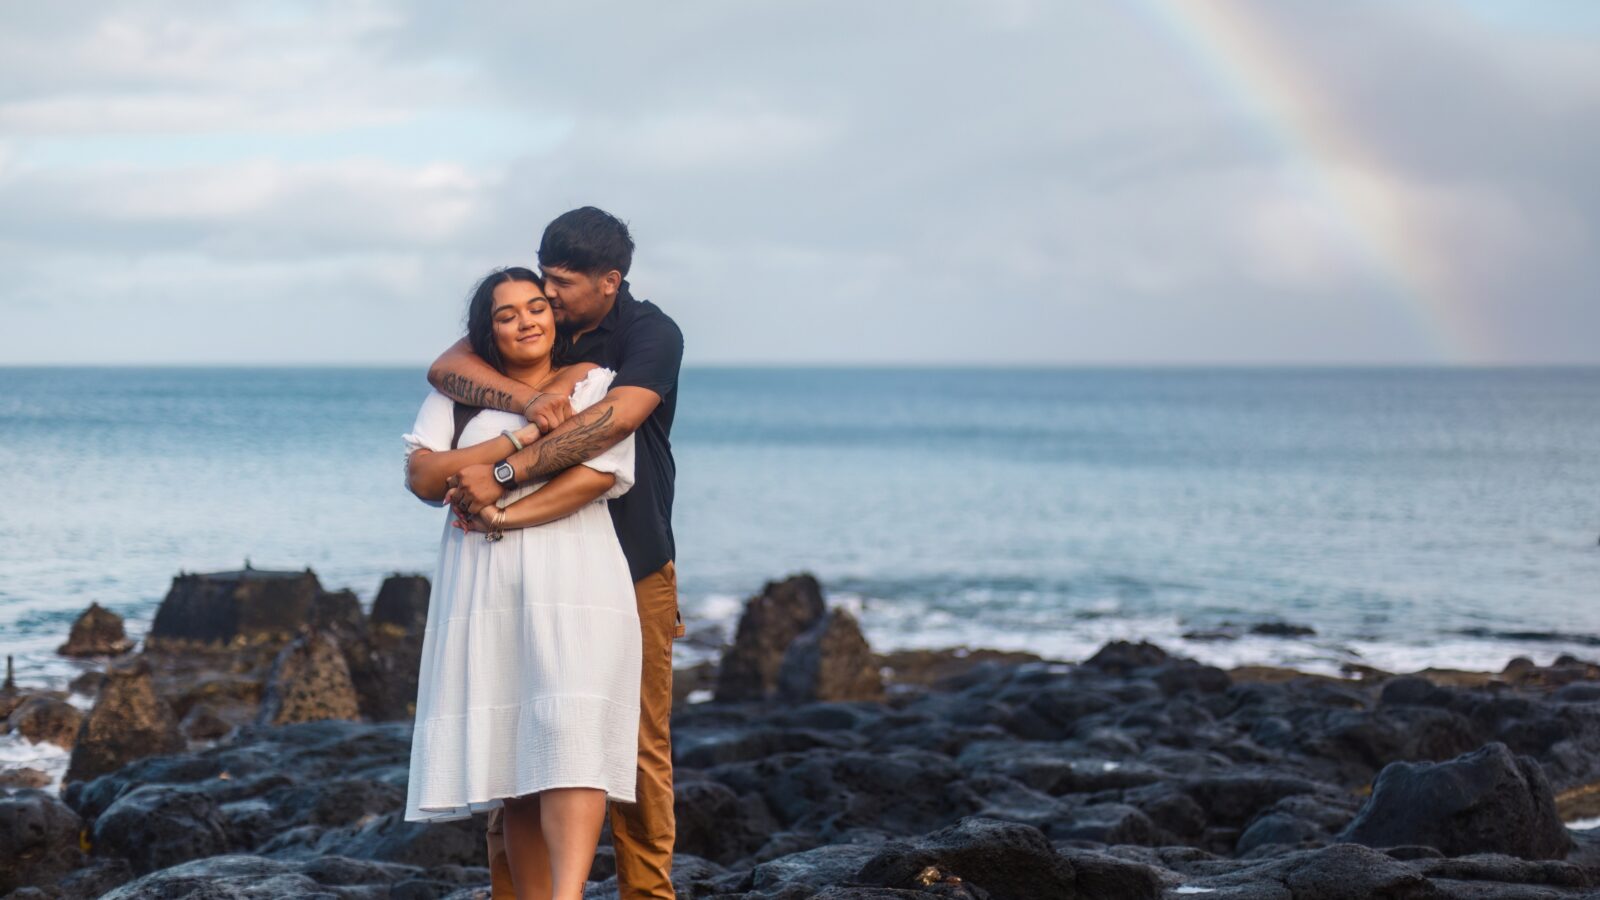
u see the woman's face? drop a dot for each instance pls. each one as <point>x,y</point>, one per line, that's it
<point>524,327</point>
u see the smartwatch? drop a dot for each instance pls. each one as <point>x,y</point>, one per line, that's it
<point>503,474</point>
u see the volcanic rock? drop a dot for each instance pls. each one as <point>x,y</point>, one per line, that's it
<point>87,683</point>
<point>338,612</point>
<point>310,681</point>
<point>770,622</point>
<point>1122,657</point>
<point>1337,872</point>
<point>128,721</point>
<point>97,632</point>
<point>1141,775</point>
<point>42,718</point>
<point>1282,629</point>
<point>402,603</point>
<point>812,869</point>
<point>1411,690</point>
<point>250,606</point>
<point>38,839</point>
<point>715,823</point>
<point>245,877</point>
<point>24,777</point>
<point>1487,801</point>
<point>203,723</point>
<point>157,826</point>
<point>830,662</point>
<point>385,665</point>
<point>942,668</point>
<point>235,696</point>
<point>1007,860</point>
<point>389,838</point>
<point>1107,823</point>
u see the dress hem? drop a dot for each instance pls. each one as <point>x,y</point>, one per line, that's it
<point>473,807</point>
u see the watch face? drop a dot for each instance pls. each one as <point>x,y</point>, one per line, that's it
<point>502,473</point>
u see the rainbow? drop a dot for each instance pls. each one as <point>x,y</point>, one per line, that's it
<point>1246,63</point>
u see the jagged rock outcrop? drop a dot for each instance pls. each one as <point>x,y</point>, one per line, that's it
<point>402,603</point>
<point>830,661</point>
<point>249,606</point>
<point>386,656</point>
<point>310,681</point>
<point>128,721</point>
<point>770,622</point>
<point>336,611</point>
<point>97,632</point>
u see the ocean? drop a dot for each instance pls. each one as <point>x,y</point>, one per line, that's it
<point>1411,517</point>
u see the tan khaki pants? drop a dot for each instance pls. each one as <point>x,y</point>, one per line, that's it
<point>642,832</point>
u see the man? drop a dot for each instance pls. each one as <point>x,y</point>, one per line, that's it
<point>585,255</point>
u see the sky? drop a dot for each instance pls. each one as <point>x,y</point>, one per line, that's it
<point>995,182</point>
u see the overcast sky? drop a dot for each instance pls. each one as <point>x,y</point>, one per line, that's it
<point>913,182</point>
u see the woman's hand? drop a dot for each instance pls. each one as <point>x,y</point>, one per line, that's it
<point>485,521</point>
<point>545,413</point>
<point>473,488</point>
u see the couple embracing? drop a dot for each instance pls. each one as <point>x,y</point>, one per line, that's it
<point>545,689</point>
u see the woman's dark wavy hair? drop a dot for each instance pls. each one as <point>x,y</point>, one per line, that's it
<point>480,317</point>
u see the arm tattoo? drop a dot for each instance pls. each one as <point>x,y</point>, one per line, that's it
<point>556,452</point>
<point>464,389</point>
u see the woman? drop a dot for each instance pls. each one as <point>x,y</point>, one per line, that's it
<point>529,688</point>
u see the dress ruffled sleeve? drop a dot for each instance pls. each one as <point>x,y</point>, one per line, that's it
<point>618,460</point>
<point>433,430</point>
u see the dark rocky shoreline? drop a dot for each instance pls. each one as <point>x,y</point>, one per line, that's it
<point>257,745</point>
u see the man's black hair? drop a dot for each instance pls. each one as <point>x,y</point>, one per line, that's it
<point>587,240</point>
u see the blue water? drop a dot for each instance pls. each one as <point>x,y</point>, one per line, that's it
<point>1412,517</point>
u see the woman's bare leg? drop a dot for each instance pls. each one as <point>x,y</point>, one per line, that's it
<point>570,819</point>
<point>526,852</point>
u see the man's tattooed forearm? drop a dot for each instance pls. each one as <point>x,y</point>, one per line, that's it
<point>465,390</point>
<point>585,441</point>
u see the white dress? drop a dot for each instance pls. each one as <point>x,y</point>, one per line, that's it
<point>530,662</point>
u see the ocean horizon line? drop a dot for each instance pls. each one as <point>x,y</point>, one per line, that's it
<point>861,367</point>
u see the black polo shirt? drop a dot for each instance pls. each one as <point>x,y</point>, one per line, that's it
<point>645,348</point>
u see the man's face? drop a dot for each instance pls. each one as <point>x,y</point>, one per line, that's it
<point>579,300</point>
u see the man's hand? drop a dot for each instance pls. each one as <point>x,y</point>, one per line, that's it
<point>549,411</point>
<point>472,489</point>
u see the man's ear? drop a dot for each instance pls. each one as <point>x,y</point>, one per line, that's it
<point>610,283</point>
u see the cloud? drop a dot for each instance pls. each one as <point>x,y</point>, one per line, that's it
<point>256,209</point>
<point>898,182</point>
<point>716,140</point>
<point>151,68</point>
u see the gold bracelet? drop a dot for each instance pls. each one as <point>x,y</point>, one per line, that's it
<point>530,403</point>
<point>499,518</point>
